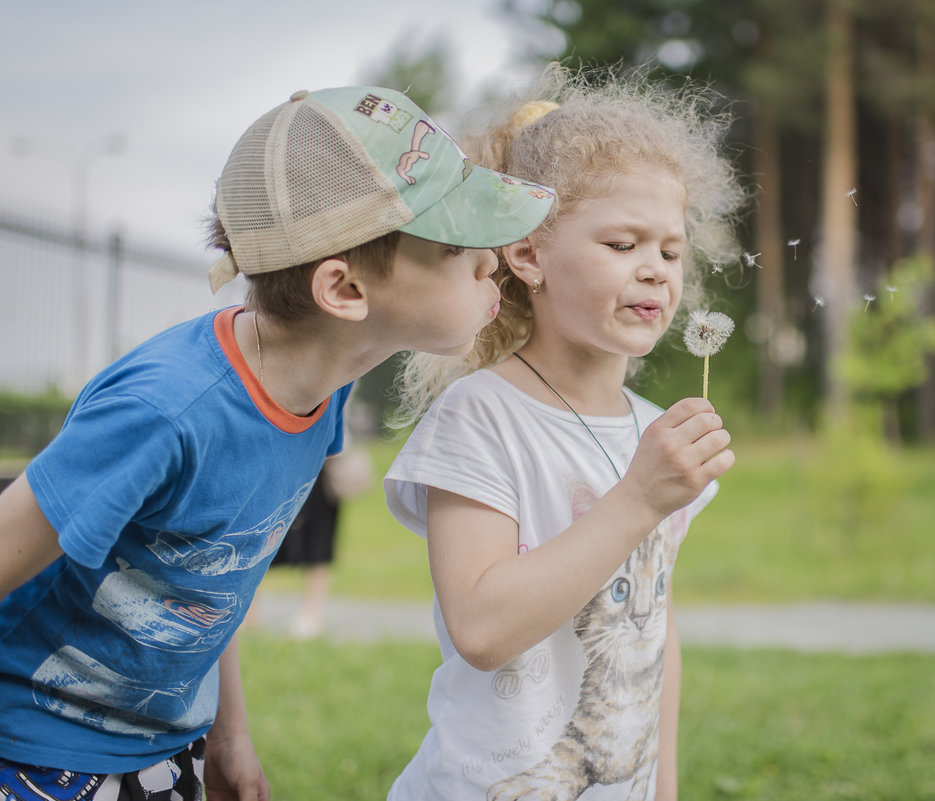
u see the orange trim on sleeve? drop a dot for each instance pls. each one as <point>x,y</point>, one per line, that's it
<point>272,411</point>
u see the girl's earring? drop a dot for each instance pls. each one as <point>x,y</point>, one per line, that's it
<point>536,287</point>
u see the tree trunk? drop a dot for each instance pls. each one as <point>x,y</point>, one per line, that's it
<point>770,284</point>
<point>836,269</point>
<point>925,172</point>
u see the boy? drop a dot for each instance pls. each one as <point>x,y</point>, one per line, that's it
<point>133,544</point>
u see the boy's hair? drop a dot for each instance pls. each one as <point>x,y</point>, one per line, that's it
<point>581,130</point>
<point>284,294</point>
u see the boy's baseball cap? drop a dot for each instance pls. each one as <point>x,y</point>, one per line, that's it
<point>332,169</point>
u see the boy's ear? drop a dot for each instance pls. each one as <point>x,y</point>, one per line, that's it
<point>338,291</point>
<point>523,259</point>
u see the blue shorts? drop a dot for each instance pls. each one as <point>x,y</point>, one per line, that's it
<point>179,778</point>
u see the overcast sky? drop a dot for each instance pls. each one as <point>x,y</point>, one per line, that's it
<point>180,80</point>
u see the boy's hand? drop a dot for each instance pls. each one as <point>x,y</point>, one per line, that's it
<point>679,454</point>
<point>233,771</point>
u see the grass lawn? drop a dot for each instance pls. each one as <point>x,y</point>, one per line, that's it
<point>339,722</point>
<point>793,521</point>
<point>787,527</point>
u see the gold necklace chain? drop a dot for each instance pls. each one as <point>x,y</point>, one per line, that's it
<point>259,352</point>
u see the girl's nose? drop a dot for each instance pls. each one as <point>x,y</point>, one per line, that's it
<point>654,268</point>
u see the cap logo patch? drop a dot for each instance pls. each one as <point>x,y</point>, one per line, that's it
<point>380,110</point>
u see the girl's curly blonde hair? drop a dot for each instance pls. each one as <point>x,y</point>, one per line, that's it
<point>575,132</point>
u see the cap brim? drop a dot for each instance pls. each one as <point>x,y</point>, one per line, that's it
<point>486,210</point>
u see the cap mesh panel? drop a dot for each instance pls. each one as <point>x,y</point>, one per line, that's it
<point>315,149</point>
<point>302,190</point>
<point>242,187</point>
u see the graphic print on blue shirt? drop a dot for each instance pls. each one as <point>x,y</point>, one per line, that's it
<point>81,689</point>
<point>240,550</point>
<point>161,616</point>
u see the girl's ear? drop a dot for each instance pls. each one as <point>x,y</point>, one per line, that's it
<point>523,259</point>
<point>338,291</point>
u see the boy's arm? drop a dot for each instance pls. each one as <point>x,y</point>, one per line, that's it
<point>27,540</point>
<point>232,769</point>
<point>667,788</point>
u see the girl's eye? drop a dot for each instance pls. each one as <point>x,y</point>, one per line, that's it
<point>454,250</point>
<point>620,247</point>
<point>669,255</point>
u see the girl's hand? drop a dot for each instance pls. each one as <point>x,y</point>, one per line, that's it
<point>679,454</point>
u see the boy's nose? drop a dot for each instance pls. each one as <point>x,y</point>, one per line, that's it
<point>488,263</point>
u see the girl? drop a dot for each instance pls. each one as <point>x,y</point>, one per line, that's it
<point>554,500</point>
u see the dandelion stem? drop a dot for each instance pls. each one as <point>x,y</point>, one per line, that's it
<point>704,389</point>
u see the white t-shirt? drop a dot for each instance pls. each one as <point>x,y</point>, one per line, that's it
<point>578,712</point>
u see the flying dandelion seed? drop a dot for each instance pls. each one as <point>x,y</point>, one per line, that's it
<point>820,302</point>
<point>705,335</point>
<point>852,194</point>
<point>892,290</point>
<point>794,244</point>
<point>717,269</point>
<point>749,260</point>
<point>869,299</point>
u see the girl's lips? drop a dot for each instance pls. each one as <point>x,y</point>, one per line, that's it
<point>649,311</point>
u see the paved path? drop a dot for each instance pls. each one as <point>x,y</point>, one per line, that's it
<point>856,628</point>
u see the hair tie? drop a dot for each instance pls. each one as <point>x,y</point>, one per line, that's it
<point>533,111</point>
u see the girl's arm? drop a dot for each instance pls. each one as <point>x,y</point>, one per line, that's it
<point>27,540</point>
<point>667,786</point>
<point>498,603</point>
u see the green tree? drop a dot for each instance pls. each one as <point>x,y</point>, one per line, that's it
<point>891,339</point>
<point>831,92</point>
<point>424,73</point>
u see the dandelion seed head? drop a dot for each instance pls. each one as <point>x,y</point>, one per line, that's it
<point>749,259</point>
<point>820,302</point>
<point>870,298</point>
<point>707,332</point>
<point>717,269</point>
<point>892,289</point>
<point>794,242</point>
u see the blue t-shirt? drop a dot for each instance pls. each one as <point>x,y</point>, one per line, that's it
<point>171,486</point>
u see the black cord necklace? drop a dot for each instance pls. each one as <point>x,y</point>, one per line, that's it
<point>580,420</point>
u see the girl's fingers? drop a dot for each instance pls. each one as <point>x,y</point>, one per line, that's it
<point>684,410</point>
<point>719,464</point>
<point>701,425</point>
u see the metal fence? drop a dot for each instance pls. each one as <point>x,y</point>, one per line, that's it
<point>70,304</point>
